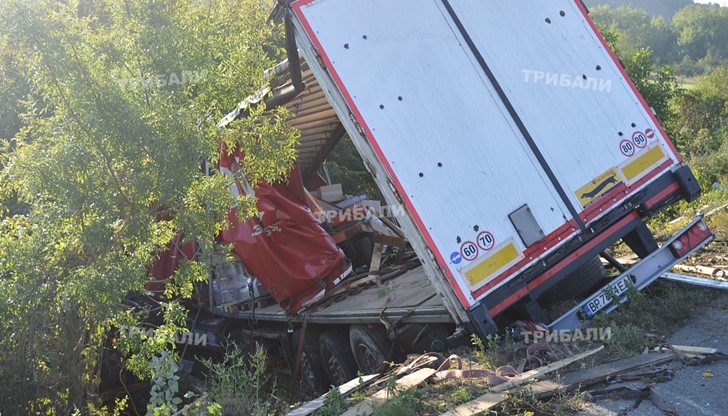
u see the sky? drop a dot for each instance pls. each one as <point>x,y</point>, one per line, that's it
<point>723,3</point>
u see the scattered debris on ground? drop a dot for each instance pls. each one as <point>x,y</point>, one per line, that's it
<point>500,375</point>
<point>373,392</point>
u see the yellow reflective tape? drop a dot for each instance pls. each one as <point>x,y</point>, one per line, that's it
<point>642,163</point>
<point>493,263</point>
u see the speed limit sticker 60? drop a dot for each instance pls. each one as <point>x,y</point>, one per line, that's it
<point>469,251</point>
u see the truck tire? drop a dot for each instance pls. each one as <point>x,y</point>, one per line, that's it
<point>580,282</point>
<point>336,356</point>
<point>312,374</point>
<point>371,348</point>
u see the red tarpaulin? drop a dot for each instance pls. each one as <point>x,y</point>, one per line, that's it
<point>285,247</point>
<point>167,262</point>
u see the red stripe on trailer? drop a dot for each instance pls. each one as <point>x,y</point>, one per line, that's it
<point>584,249</point>
<point>662,195</point>
<point>642,101</point>
<point>509,301</point>
<point>530,254</point>
<point>296,6</point>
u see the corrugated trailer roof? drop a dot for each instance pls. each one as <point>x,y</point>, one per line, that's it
<point>314,117</point>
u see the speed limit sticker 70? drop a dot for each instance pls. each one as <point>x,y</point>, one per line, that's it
<point>486,240</point>
<point>469,251</point>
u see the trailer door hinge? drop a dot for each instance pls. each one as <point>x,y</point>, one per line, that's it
<point>394,191</point>
<point>370,168</point>
<point>431,255</point>
<point>320,60</point>
<point>359,129</point>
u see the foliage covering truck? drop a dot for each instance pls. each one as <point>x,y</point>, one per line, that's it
<point>515,148</point>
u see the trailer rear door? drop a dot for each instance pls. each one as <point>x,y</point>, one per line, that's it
<point>584,114</point>
<point>496,170</point>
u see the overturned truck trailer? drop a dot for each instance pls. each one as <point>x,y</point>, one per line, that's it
<point>517,147</point>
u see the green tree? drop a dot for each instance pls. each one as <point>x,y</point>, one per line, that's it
<point>14,92</point>
<point>14,89</point>
<point>664,8</point>
<point>108,161</point>
<point>657,85</point>
<point>704,107</point>
<point>346,167</point>
<point>661,40</point>
<point>636,30</point>
<point>629,23</point>
<point>702,126</point>
<point>702,30</point>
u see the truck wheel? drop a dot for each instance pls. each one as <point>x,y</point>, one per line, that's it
<point>370,346</point>
<point>580,282</point>
<point>312,373</point>
<point>336,356</point>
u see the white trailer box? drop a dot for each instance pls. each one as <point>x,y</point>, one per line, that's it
<point>507,129</point>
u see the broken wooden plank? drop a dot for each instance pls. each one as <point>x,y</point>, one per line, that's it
<point>681,355</point>
<point>625,393</point>
<point>190,406</point>
<point>570,381</point>
<point>629,259</point>
<point>595,375</point>
<point>394,227</point>
<point>689,349</point>
<point>541,371</point>
<point>495,395</point>
<point>479,405</point>
<point>396,242</point>
<point>370,404</point>
<point>704,270</point>
<point>376,259</point>
<point>344,390</point>
<point>713,211</point>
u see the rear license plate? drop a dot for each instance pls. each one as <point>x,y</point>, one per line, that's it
<point>604,298</point>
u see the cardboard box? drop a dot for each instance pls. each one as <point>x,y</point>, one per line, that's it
<point>331,193</point>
